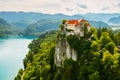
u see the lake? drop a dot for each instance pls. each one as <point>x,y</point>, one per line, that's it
<point>12,52</point>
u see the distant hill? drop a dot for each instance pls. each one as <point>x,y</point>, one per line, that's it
<point>6,28</point>
<point>115,20</point>
<point>34,16</point>
<point>41,26</point>
<point>98,24</point>
<point>23,19</point>
<point>4,23</point>
<point>51,24</point>
<point>13,17</point>
<point>34,23</point>
<point>100,16</point>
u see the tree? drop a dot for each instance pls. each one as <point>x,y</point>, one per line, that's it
<point>94,33</point>
<point>117,39</point>
<point>64,21</point>
<point>110,47</point>
<point>19,75</point>
<point>104,39</point>
<point>94,76</point>
<point>95,46</point>
<point>97,59</point>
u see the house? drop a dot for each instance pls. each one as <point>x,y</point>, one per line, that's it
<point>76,27</point>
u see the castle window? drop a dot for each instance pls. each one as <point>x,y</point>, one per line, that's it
<point>81,24</point>
<point>82,29</point>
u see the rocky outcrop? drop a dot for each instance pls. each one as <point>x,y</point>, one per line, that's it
<point>79,28</point>
<point>63,51</point>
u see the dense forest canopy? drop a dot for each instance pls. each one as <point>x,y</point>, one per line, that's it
<point>98,59</point>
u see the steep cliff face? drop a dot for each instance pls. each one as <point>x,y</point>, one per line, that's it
<point>63,51</point>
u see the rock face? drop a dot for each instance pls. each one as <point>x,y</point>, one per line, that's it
<point>63,51</point>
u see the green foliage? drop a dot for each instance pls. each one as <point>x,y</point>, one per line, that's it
<point>41,26</point>
<point>110,47</point>
<point>97,59</point>
<point>69,71</point>
<point>57,76</point>
<point>95,46</point>
<point>64,21</point>
<point>61,26</point>
<point>100,30</point>
<point>86,33</point>
<point>94,32</point>
<point>40,59</point>
<point>94,76</point>
<point>19,75</point>
<point>6,29</point>
<point>73,40</point>
<point>104,39</point>
<point>117,39</point>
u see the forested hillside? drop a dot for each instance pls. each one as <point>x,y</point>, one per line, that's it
<point>98,59</point>
<point>115,20</point>
<point>33,23</point>
<point>41,26</point>
<point>52,24</point>
<point>6,28</point>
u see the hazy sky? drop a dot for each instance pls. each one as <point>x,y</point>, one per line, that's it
<point>62,6</point>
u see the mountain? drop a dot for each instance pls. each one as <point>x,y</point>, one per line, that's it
<point>100,16</point>
<point>19,16</point>
<point>115,20</point>
<point>41,26</point>
<point>4,23</point>
<point>23,19</point>
<point>6,28</point>
<point>51,24</point>
<point>98,24</point>
<point>62,16</point>
<point>33,23</point>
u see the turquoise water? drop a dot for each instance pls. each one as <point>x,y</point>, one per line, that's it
<point>12,52</point>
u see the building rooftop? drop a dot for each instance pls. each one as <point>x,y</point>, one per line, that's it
<point>76,22</point>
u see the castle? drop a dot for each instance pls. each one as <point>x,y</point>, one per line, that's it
<point>76,27</point>
<point>62,49</point>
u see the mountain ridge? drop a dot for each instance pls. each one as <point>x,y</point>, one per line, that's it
<point>23,20</point>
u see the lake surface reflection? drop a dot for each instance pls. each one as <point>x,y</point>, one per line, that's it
<point>12,52</point>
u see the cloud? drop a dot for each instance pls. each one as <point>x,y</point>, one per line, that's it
<point>51,5</point>
<point>82,6</point>
<point>118,5</point>
<point>62,6</point>
<point>68,9</point>
<point>10,0</point>
<point>105,8</point>
<point>64,0</point>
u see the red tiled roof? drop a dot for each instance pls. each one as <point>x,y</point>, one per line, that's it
<point>77,22</point>
<point>82,20</point>
<point>73,22</point>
